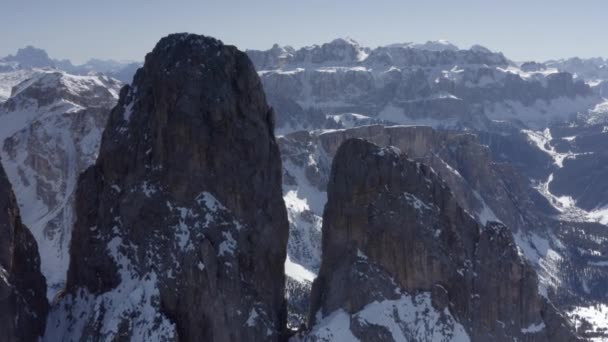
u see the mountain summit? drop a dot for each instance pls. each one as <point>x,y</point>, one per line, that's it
<point>181,229</point>
<point>31,57</point>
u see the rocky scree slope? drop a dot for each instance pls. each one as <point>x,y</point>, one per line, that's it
<point>181,229</point>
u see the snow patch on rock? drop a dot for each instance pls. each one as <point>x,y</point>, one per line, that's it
<point>407,318</point>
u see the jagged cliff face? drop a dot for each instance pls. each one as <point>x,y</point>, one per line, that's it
<point>437,85</point>
<point>181,229</point>
<point>490,182</point>
<point>23,304</point>
<point>50,130</point>
<point>486,189</point>
<point>396,242</point>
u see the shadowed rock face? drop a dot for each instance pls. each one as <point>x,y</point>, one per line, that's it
<point>23,304</point>
<point>183,211</point>
<point>403,220</point>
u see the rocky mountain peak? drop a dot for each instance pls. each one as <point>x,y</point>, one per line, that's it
<point>179,47</point>
<point>163,107</point>
<point>436,45</point>
<point>480,48</point>
<point>31,57</point>
<point>282,51</point>
<point>338,51</point>
<point>395,241</point>
<point>183,209</point>
<point>344,42</point>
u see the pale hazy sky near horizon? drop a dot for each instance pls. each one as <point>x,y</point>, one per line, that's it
<point>128,29</point>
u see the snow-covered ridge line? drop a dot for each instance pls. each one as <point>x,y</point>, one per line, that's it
<point>398,84</point>
<point>31,58</point>
<point>53,80</point>
<point>340,51</point>
<point>50,131</point>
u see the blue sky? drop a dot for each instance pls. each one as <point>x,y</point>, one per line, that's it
<point>127,29</point>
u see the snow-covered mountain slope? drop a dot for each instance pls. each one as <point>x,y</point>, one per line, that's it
<point>11,78</point>
<point>564,163</point>
<point>429,84</point>
<point>50,130</point>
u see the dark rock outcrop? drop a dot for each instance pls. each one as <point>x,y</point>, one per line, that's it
<point>23,304</point>
<point>181,228</point>
<point>402,220</point>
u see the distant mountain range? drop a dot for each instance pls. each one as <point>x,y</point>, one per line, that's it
<point>32,57</point>
<point>434,83</point>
